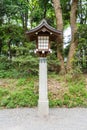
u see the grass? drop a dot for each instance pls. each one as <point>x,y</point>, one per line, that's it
<point>72,93</point>
<point>18,93</point>
<point>23,92</point>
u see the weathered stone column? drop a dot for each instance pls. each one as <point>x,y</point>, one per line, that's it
<point>43,103</point>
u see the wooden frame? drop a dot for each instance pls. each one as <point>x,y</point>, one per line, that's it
<point>43,29</point>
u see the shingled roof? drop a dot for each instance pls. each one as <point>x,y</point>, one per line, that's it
<point>43,26</point>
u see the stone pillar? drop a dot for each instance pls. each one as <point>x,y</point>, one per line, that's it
<point>43,103</point>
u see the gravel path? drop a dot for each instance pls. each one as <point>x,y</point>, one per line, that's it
<point>59,119</point>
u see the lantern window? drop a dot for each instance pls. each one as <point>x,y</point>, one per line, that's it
<point>43,42</point>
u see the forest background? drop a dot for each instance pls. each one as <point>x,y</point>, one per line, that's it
<point>16,17</point>
<point>17,58</point>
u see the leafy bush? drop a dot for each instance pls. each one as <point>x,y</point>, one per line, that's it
<point>23,92</point>
<point>76,95</point>
<point>27,65</point>
<point>23,96</point>
<point>73,92</point>
<point>80,58</point>
<point>3,92</point>
<point>53,63</point>
<point>56,103</point>
<point>19,67</point>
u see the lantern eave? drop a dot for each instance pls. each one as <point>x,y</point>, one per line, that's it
<point>43,27</point>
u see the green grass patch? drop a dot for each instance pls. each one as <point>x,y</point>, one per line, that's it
<point>73,91</point>
<point>56,103</point>
<point>24,95</point>
<point>23,92</point>
<point>77,93</point>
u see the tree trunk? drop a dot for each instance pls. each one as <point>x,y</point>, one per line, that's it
<point>9,49</point>
<point>74,40</point>
<point>0,46</point>
<point>59,21</point>
<point>26,20</point>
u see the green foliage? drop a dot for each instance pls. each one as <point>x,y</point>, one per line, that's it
<point>66,50</point>
<point>23,96</point>
<point>74,95</point>
<point>80,58</point>
<point>19,15</point>
<point>7,69</point>
<point>53,63</point>
<point>23,92</point>
<point>56,103</point>
<point>77,93</point>
<point>20,70</point>
<point>82,9</point>
<point>26,98</point>
<point>17,59</point>
<point>71,100</point>
<point>74,75</point>
<point>3,92</point>
<point>27,65</point>
<point>66,6</point>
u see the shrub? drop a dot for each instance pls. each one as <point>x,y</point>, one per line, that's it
<point>23,96</point>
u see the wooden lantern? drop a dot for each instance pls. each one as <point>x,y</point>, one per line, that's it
<point>43,34</point>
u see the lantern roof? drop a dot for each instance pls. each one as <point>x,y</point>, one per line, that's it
<point>43,28</point>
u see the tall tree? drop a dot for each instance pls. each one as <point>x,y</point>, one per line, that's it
<point>59,21</point>
<point>74,39</point>
<point>82,11</point>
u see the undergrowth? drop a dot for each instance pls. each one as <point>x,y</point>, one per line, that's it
<point>74,96</point>
<point>23,92</point>
<point>22,95</point>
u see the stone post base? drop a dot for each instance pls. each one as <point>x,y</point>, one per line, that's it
<point>43,108</point>
<point>43,103</point>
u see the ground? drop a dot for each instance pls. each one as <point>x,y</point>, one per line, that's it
<point>63,91</point>
<point>58,119</point>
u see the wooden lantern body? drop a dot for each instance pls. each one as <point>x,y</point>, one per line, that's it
<point>43,34</point>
